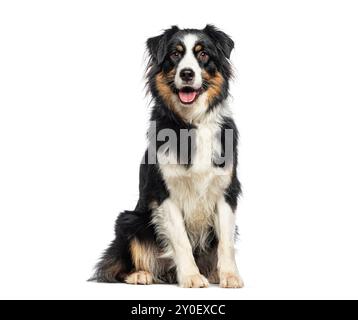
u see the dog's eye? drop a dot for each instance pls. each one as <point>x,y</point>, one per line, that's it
<point>175,56</point>
<point>203,56</point>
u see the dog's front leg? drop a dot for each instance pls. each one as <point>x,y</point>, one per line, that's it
<point>172,228</point>
<point>225,228</point>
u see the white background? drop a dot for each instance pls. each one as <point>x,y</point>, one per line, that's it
<point>73,118</point>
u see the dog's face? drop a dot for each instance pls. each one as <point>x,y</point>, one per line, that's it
<point>188,66</point>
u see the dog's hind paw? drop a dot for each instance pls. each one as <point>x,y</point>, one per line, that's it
<point>140,277</point>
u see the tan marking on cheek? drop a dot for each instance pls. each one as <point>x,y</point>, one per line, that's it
<point>171,74</point>
<point>167,94</point>
<point>215,85</point>
<point>163,88</point>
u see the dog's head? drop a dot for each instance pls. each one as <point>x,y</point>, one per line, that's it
<point>190,67</point>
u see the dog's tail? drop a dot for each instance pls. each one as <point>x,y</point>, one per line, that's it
<point>116,262</point>
<point>112,266</point>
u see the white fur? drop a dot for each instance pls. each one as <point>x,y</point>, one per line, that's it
<point>189,62</point>
<point>196,190</point>
<point>170,224</point>
<point>225,229</point>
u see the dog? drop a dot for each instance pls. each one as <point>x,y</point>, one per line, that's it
<point>183,227</point>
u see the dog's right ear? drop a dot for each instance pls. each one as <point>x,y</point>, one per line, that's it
<point>157,46</point>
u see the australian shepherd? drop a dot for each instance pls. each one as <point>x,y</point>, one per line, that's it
<point>183,227</point>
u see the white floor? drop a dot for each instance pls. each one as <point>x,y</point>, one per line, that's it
<point>162,292</point>
<point>260,283</point>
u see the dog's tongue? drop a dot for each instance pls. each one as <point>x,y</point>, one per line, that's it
<point>187,97</point>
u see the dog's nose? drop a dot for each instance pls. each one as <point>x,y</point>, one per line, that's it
<point>187,75</point>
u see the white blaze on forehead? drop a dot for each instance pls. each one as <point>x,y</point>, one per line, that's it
<point>189,61</point>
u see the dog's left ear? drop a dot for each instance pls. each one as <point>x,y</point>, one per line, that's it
<point>157,46</point>
<point>221,40</point>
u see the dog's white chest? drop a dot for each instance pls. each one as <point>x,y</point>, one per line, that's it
<point>196,190</point>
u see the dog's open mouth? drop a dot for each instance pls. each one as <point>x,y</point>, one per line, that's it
<point>188,95</point>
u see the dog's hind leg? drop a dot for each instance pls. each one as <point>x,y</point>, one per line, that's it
<point>144,259</point>
<point>126,255</point>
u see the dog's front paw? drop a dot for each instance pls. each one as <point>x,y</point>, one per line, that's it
<point>194,281</point>
<point>230,280</point>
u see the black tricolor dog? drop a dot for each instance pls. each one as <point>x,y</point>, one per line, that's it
<point>183,227</point>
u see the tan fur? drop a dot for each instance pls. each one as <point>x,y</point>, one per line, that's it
<point>198,48</point>
<point>143,256</point>
<point>173,102</point>
<point>195,112</point>
<point>163,88</point>
<point>215,85</point>
<point>180,48</point>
